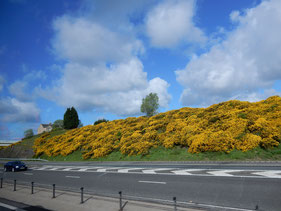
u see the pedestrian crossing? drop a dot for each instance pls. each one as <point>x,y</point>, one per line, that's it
<point>165,171</point>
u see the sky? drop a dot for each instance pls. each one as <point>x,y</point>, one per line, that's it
<point>104,56</point>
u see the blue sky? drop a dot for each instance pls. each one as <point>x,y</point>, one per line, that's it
<point>103,57</point>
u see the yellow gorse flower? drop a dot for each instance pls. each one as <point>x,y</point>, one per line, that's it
<point>221,127</point>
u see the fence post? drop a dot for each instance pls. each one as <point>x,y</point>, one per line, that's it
<point>32,185</point>
<point>54,189</point>
<point>82,201</point>
<point>15,184</point>
<point>175,203</point>
<point>1,185</point>
<point>120,201</point>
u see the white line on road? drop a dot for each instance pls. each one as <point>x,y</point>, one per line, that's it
<point>74,177</point>
<point>107,169</point>
<point>153,182</point>
<point>8,206</point>
<point>271,174</point>
<point>186,171</point>
<point>153,171</point>
<point>224,173</point>
<point>128,169</point>
<point>88,168</point>
<point>28,173</point>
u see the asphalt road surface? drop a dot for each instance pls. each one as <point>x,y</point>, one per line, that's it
<point>214,186</point>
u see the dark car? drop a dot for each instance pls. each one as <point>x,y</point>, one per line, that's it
<point>15,166</point>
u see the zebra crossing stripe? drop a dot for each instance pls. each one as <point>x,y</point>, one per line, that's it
<point>167,171</point>
<point>271,174</point>
<point>153,171</point>
<point>88,168</point>
<point>41,168</point>
<point>128,169</point>
<point>186,171</point>
<point>224,173</point>
<point>106,169</point>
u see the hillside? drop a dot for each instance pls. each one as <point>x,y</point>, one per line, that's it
<point>224,127</point>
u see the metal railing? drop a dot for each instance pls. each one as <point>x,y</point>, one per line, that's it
<point>122,199</point>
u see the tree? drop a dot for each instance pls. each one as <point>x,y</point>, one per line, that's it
<point>150,104</point>
<point>28,133</point>
<point>100,121</point>
<point>70,119</point>
<point>58,124</point>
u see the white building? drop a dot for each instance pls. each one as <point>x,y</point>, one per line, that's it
<point>44,128</point>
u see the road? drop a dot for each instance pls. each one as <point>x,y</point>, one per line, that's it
<point>211,186</point>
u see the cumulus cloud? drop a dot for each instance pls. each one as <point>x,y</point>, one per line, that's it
<point>118,88</point>
<point>85,41</point>
<point>21,107</point>
<point>18,89</point>
<point>102,70</point>
<point>171,22</point>
<point>248,60</point>
<point>13,110</point>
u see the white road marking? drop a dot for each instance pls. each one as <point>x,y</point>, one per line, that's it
<point>8,206</point>
<point>88,168</point>
<point>171,171</point>
<point>186,171</point>
<point>271,174</point>
<point>153,171</point>
<point>43,168</point>
<point>74,177</point>
<point>153,182</point>
<point>128,169</point>
<point>28,173</point>
<point>224,173</point>
<point>68,169</point>
<point>105,169</point>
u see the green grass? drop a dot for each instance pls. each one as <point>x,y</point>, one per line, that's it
<point>179,154</point>
<point>75,156</point>
<point>163,154</point>
<point>28,142</point>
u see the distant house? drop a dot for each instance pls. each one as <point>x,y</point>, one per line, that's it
<point>44,128</point>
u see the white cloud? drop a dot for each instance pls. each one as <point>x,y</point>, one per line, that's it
<point>13,110</point>
<point>118,88</point>
<point>247,61</point>
<point>102,69</point>
<point>18,89</point>
<point>21,107</point>
<point>171,22</point>
<point>84,41</point>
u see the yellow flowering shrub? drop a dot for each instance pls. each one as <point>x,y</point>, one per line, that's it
<point>220,127</point>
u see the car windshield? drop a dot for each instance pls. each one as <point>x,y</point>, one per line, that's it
<point>18,162</point>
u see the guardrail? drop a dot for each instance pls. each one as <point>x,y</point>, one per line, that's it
<point>122,198</point>
<point>24,159</point>
<point>174,204</point>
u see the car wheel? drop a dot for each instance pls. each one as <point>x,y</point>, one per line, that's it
<point>13,169</point>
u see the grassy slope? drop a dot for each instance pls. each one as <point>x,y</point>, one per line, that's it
<point>179,154</point>
<point>24,148</point>
<point>215,117</point>
<point>163,154</point>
